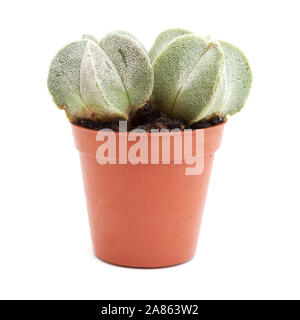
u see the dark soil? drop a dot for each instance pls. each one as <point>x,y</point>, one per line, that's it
<point>147,118</point>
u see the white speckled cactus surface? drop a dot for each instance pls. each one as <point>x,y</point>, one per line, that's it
<point>183,75</point>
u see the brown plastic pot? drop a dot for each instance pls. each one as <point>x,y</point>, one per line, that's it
<point>144,215</point>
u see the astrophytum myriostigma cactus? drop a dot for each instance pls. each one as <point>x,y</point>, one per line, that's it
<point>106,80</point>
<point>195,79</point>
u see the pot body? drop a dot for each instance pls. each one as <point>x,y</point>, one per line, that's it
<point>144,215</point>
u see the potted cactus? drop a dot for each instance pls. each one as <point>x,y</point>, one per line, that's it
<point>147,125</point>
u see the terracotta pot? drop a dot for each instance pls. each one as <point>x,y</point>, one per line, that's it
<point>144,215</point>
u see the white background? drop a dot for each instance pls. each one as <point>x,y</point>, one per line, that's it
<point>249,245</point>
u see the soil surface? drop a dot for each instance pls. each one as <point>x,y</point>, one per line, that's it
<point>147,118</point>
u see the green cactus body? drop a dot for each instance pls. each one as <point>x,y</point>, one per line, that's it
<point>64,78</point>
<point>105,96</point>
<point>235,83</point>
<point>186,74</point>
<point>197,82</point>
<point>132,65</point>
<point>163,39</point>
<point>105,81</point>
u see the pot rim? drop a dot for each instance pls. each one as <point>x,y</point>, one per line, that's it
<point>148,133</point>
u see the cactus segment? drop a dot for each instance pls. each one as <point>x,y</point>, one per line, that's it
<point>101,87</point>
<point>64,79</point>
<point>133,66</point>
<point>186,75</point>
<point>235,83</point>
<point>106,80</point>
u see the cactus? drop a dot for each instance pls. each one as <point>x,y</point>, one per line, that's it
<point>185,76</point>
<point>107,79</point>
<point>196,80</point>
